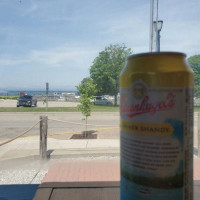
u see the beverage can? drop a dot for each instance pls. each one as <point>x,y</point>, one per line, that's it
<point>156,127</point>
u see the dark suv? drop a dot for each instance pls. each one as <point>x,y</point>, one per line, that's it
<point>27,100</point>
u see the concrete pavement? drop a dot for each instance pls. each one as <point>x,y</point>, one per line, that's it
<point>20,162</point>
<point>25,152</point>
<point>29,147</point>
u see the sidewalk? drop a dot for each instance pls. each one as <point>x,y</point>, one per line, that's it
<point>25,151</point>
<point>90,180</point>
<point>20,163</point>
<point>29,147</point>
<point>196,168</point>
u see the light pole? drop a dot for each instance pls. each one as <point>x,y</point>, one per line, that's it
<point>157,27</point>
<point>151,25</point>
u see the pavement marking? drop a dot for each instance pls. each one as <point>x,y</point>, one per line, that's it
<point>68,122</point>
<point>62,133</point>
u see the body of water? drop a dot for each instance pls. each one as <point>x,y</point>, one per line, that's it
<point>30,92</point>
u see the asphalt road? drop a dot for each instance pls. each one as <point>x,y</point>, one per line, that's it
<point>13,124</point>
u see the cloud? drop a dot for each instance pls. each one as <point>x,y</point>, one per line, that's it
<point>32,8</point>
<point>123,22</point>
<point>79,57</point>
<point>114,26</point>
<point>61,56</point>
<point>56,19</point>
<point>12,61</point>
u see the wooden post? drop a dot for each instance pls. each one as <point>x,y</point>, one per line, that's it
<point>43,136</point>
<point>198,135</point>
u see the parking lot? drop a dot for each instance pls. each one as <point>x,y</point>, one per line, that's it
<point>13,103</point>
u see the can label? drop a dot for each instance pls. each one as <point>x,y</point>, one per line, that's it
<point>156,142</point>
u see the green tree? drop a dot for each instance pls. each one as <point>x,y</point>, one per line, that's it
<point>106,68</point>
<point>194,62</point>
<point>87,90</point>
<point>87,87</point>
<point>85,108</point>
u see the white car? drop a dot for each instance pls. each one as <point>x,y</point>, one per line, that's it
<point>102,101</point>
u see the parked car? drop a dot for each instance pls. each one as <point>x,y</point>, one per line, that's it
<point>102,101</point>
<point>26,101</point>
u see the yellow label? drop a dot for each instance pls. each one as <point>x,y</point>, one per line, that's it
<point>163,129</point>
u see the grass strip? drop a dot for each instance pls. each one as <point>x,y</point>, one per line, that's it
<point>9,97</point>
<point>67,109</point>
<point>58,109</point>
<point>196,108</point>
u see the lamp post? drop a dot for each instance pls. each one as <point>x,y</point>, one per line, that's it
<point>151,25</point>
<point>157,27</point>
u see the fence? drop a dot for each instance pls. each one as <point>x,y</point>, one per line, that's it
<point>44,130</point>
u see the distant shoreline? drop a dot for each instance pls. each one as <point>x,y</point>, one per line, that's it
<point>36,92</point>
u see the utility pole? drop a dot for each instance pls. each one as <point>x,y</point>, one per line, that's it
<point>151,26</point>
<point>155,25</point>
<point>47,91</point>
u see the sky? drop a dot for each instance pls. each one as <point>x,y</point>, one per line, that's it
<point>56,41</point>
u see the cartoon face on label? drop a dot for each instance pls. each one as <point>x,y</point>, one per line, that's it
<point>139,91</point>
